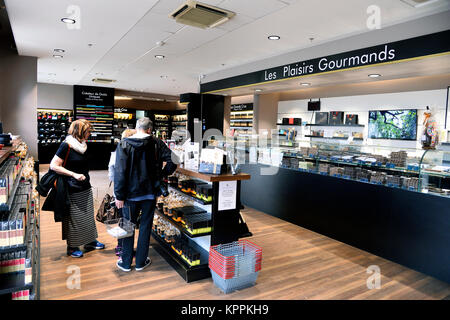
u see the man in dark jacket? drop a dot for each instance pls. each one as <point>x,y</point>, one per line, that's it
<point>137,173</point>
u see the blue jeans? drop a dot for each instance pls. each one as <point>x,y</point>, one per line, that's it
<point>145,228</point>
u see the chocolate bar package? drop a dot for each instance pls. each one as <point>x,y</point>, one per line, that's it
<point>336,118</point>
<point>351,119</point>
<point>322,118</point>
<point>292,121</point>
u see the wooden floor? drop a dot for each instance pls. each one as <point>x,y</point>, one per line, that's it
<point>297,264</point>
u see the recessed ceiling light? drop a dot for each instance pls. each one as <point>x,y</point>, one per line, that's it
<point>374,75</point>
<point>258,90</point>
<point>273,37</point>
<point>68,20</point>
<point>59,50</point>
<point>159,56</point>
<point>57,56</point>
<point>305,84</point>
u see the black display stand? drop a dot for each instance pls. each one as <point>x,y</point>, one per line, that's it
<point>208,109</point>
<point>226,228</point>
<point>408,227</point>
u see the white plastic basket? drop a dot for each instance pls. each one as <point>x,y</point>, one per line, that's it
<point>120,228</point>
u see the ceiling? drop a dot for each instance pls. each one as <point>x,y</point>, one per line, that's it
<point>428,66</point>
<point>118,39</point>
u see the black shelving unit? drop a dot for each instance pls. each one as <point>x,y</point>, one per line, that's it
<point>180,227</point>
<point>225,228</point>
<point>15,281</point>
<point>53,125</point>
<point>190,196</point>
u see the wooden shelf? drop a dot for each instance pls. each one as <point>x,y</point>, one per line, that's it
<point>213,177</point>
<point>5,152</point>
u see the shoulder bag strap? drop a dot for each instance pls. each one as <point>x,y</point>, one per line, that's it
<point>64,163</point>
<point>67,155</point>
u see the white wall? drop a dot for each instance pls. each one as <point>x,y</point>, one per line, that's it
<point>435,99</point>
<point>19,97</point>
<point>54,96</point>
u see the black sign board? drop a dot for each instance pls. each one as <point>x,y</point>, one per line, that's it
<point>95,104</point>
<point>242,107</point>
<point>436,43</point>
<point>96,96</point>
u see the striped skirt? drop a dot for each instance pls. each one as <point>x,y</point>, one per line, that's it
<point>79,227</point>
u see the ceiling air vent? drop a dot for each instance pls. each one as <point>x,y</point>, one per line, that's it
<point>200,15</point>
<point>100,80</point>
<point>419,3</point>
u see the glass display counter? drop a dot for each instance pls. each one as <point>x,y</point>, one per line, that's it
<point>390,201</point>
<point>426,171</point>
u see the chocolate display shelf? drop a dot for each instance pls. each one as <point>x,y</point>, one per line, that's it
<point>371,166</point>
<point>7,205</point>
<point>5,153</point>
<point>336,138</point>
<point>227,226</point>
<point>191,196</point>
<point>187,272</point>
<point>334,125</point>
<point>13,282</point>
<point>180,226</point>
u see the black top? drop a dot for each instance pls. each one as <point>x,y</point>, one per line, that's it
<point>78,163</point>
<point>138,169</point>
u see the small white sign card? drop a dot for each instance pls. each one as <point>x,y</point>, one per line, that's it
<point>227,195</point>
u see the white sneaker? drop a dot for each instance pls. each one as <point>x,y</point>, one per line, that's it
<point>147,263</point>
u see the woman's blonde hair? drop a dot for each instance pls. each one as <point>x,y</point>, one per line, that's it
<point>79,128</point>
<point>128,133</point>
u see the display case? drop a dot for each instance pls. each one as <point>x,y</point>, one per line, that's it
<point>435,172</point>
<point>53,125</point>
<point>390,201</point>
<point>241,119</point>
<point>123,118</point>
<point>426,171</point>
<point>202,210</point>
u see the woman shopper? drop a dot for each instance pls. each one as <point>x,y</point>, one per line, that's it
<point>78,227</point>
<point>112,162</point>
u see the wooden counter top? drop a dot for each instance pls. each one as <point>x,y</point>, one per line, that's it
<point>213,177</point>
<point>5,152</point>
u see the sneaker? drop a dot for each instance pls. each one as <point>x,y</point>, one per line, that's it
<point>147,263</point>
<point>121,267</point>
<point>74,252</point>
<point>94,246</point>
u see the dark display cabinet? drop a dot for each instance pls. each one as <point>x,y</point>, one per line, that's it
<point>205,111</point>
<point>392,202</point>
<point>53,125</point>
<point>223,225</point>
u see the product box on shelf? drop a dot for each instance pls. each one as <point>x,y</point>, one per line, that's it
<point>336,118</point>
<point>351,119</point>
<point>292,121</point>
<point>322,118</point>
